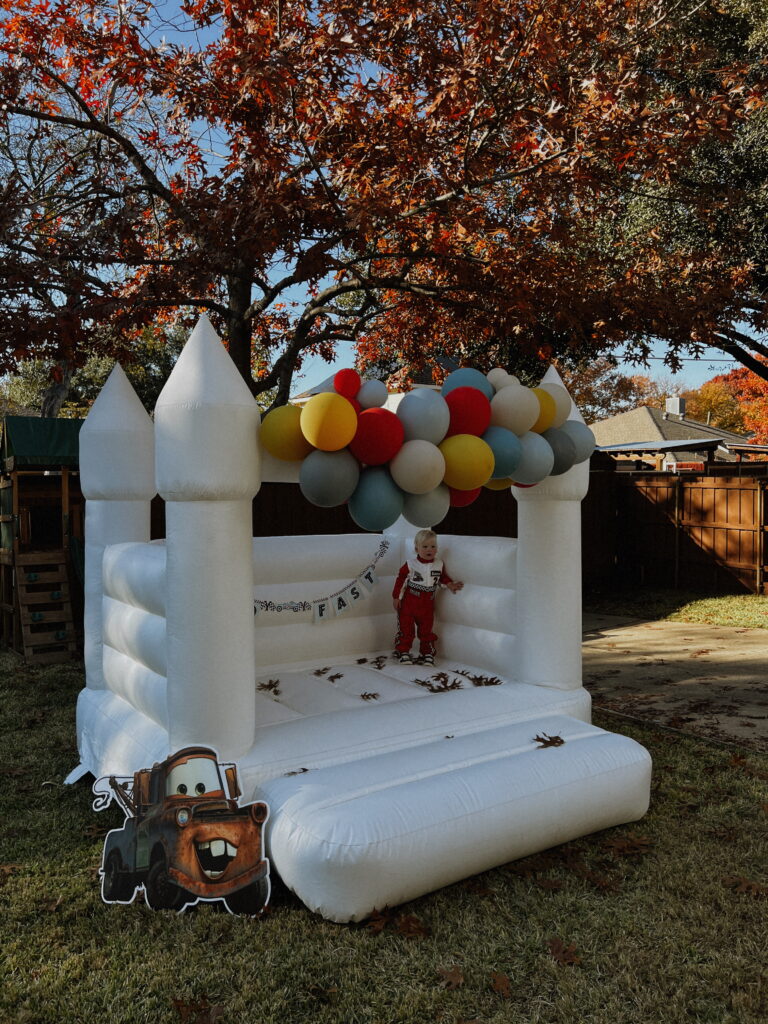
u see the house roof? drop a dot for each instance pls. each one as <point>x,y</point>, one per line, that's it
<point>650,424</point>
<point>653,430</point>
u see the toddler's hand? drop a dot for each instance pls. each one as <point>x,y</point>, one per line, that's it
<point>456,585</point>
<point>396,603</point>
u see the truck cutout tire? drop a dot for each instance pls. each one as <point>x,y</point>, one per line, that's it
<point>118,886</point>
<point>162,893</point>
<point>251,899</point>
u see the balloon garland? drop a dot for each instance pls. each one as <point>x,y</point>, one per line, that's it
<point>434,452</point>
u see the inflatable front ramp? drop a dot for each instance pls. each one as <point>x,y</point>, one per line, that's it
<point>380,830</point>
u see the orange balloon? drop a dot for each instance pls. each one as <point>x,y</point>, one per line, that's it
<point>548,411</point>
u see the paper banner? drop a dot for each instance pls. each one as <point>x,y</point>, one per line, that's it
<point>326,608</point>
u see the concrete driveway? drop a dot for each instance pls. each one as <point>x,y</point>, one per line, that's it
<point>710,681</point>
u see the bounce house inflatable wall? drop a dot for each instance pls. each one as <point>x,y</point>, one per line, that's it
<point>384,780</point>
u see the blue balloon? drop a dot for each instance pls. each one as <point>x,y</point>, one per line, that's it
<point>506,448</point>
<point>328,478</point>
<point>425,416</point>
<point>466,377</point>
<point>377,501</point>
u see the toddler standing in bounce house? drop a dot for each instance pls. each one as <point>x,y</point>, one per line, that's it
<point>414,599</point>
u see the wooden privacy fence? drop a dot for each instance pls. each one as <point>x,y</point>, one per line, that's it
<point>701,533</point>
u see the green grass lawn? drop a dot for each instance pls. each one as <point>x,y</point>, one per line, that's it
<point>747,611</point>
<point>658,922</point>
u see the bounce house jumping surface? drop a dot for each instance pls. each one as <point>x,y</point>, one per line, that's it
<point>384,780</point>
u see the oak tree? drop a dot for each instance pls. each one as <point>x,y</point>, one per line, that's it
<point>418,177</point>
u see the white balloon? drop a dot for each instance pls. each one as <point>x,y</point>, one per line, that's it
<point>497,377</point>
<point>418,467</point>
<point>563,402</point>
<point>516,408</point>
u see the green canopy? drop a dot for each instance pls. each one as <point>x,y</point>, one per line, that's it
<point>37,441</point>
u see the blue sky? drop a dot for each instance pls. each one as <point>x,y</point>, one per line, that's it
<point>694,373</point>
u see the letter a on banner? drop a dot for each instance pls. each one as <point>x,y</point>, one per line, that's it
<point>323,610</point>
<point>341,603</point>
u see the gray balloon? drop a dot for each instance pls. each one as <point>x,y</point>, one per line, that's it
<point>564,449</point>
<point>427,510</point>
<point>536,461</point>
<point>328,478</point>
<point>582,437</point>
<point>425,416</point>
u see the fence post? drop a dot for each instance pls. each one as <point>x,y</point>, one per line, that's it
<point>760,545</point>
<point>676,578</point>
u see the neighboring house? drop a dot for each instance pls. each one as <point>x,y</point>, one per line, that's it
<point>641,433</point>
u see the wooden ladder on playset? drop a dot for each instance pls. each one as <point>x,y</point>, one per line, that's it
<point>45,610</point>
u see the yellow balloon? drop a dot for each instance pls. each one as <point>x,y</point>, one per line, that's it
<point>281,434</point>
<point>502,484</point>
<point>328,421</point>
<point>547,412</point>
<point>469,461</point>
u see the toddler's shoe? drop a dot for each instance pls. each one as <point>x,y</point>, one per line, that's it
<point>404,658</point>
<point>426,659</point>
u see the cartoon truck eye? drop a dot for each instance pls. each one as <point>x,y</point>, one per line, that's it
<point>185,838</point>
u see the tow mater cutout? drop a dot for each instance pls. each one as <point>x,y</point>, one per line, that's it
<point>185,837</point>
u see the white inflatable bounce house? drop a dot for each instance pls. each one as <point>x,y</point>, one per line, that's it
<point>385,781</point>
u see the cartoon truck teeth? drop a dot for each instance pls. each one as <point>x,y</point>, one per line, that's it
<point>185,837</point>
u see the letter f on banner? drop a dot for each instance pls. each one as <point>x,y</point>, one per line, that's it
<point>323,610</point>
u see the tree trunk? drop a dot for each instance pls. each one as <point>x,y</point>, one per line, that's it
<point>56,394</point>
<point>239,331</point>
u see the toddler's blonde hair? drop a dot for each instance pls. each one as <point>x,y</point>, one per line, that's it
<point>422,536</point>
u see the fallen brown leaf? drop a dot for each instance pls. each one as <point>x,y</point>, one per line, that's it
<point>562,954</point>
<point>198,1011</point>
<point>630,845</point>
<point>548,741</point>
<point>452,977</point>
<point>322,993</point>
<point>740,884</point>
<point>378,921</point>
<point>549,884</point>
<point>501,985</point>
<point>411,927</point>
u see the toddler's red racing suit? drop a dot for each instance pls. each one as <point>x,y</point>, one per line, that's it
<point>416,585</point>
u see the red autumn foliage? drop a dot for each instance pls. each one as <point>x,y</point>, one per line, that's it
<point>413,178</point>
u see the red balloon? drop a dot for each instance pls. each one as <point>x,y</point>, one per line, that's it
<point>470,411</point>
<point>460,499</point>
<point>355,405</point>
<point>347,383</point>
<point>379,437</point>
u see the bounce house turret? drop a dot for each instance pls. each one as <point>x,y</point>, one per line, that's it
<point>549,573</point>
<point>207,425</point>
<point>117,476</point>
